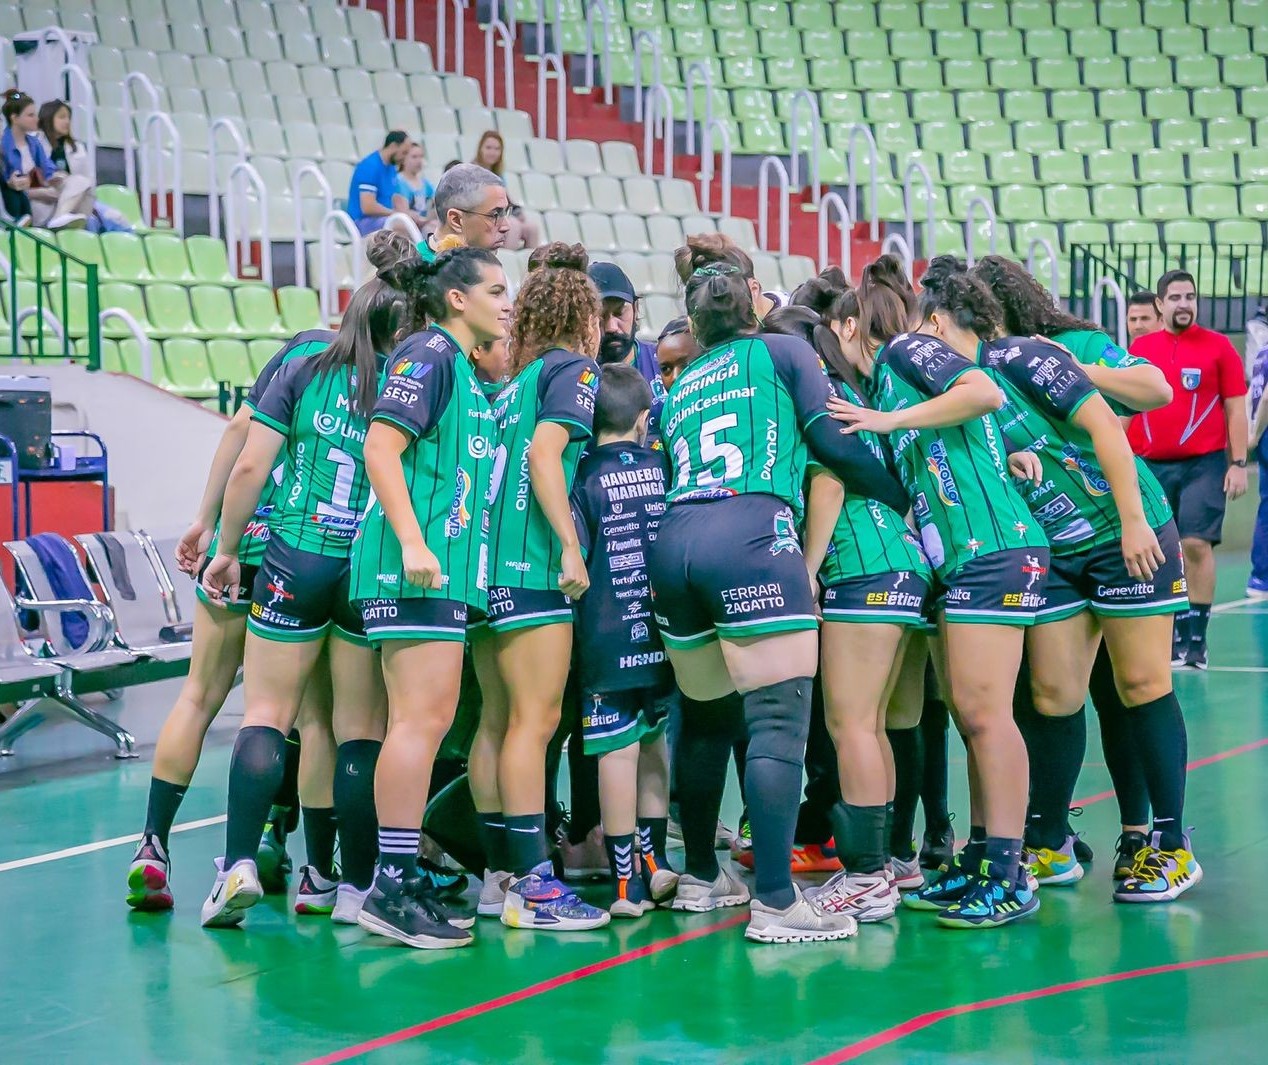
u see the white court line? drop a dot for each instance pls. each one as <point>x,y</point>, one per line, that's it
<point>1237,669</point>
<point>1242,604</point>
<point>101,845</point>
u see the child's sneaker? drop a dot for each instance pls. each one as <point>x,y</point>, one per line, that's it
<point>148,887</point>
<point>990,903</point>
<point>805,921</point>
<point>493,893</point>
<point>699,896</point>
<point>1053,867</point>
<point>540,901</point>
<point>630,897</point>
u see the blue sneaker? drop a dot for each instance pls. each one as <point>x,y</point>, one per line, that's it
<point>540,900</point>
<point>990,904</point>
<point>947,887</point>
<point>1257,588</point>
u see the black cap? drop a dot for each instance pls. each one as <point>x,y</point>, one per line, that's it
<point>612,282</point>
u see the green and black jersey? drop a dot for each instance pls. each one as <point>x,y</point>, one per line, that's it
<point>558,387</point>
<point>963,498</point>
<point>870,538</point>
<point>433,397</point>
<point>325,489</point>
<point>1045,388</point>
<point>1094,348</point>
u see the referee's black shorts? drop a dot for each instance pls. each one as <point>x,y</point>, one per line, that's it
<point>1195,490</point>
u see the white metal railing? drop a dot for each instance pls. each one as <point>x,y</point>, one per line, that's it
<point>238,220</point>
<point>772,162</point>
<point>556,32</point>
<point>82,99</point>
<point>442,32</point>
<point>706,165</point>
<point>495,33</point>
<point>829,202</point>
<point>547,62</point>
<point>706,76</point>
<point>327,282</point>
<point>1042,243</point>
<point>402,222</point>
<point>130,142</point>
<point>46,316</point>
<point>139,334</point>
<point>592,8</point>
<point>641,38</point>
<point>297,189</point>
<point>805,97</point>
<point>856,131</point>
<point>5,45</point>
<point>154,186</point>
<point>909,223</point>
<point>659,104</point>
<point>897,243</point>
<point>213,165</point>
<point>970,232</point>
<point>1120,305</point>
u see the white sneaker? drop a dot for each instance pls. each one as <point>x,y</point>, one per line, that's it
<point>662,884</point>
<point>348,903</point>
<point>316,895</point>
<point>907,874</point>
<point>493,893</point>
<point>699,896</point>
<point>894,894</point>
<point>864,896</point>
<point>235,891</point>
<point>723,837</point>
<point>805,921</point>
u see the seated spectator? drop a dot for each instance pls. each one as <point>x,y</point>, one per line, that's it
<point>523,232</point>
<point>414,193</point>
<point>35,192</point>
<point>373,184</point>
<point>490,152</point>
<point>71,157</point>
<point>470,204</point>
<point>1142,315</point>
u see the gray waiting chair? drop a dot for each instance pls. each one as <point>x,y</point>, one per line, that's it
<point>180,586</point>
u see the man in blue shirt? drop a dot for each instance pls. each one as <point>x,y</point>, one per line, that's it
<point>374,183</point>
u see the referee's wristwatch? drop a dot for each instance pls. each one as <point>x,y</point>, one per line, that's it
<point>1239,463</point>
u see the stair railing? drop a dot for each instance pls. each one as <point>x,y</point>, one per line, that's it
<point>213,165</point>
<point>803,97</point>
<point>1036,245</point>
<point>1108,284</point>
<point>130,142</point>
<point>832,201</point>
<point>238,220</point>
<point>495,33</point>
<point>897,243</point>
<point>698,71</point>
<point>153,173</point>
<point>706,164</point>
<point>970,230</point>
<point>139,334</point>
<point>915,166</point>
<point>442,32</point>
<point>772,162</point>
<point>660,105</point>
<point>642,38</point>
<point>592,8</point>
<point>547,62</point>
<point>84,102</point>
<point>308,170</point>
<point>856,131</point>
<point>328,282</point>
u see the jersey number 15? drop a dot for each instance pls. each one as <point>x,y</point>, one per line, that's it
<point>711,451</point>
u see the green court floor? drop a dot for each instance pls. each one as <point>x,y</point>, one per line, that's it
<point>83,980</point>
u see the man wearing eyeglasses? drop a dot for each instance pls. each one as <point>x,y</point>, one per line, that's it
<point>471,204</point>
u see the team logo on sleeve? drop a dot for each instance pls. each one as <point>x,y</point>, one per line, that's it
<point>459,516</point>
<point>415,371</point>
<point>588,379</point>
<point>1093,483</point>
<point>785,527</point>
<point>940,466</point>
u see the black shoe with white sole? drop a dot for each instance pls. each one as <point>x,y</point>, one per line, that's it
<point>408,913</point>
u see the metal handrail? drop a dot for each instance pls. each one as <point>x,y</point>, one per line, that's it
<point>772,162</point>
<point>401,221</point>
<point>142,339</point>
<point>545,63</point>
<point>592,7</point>
<point>47,317</point>
<point>657,63</point>
<point>1120,305</point>
<point>661,105</point>
<point>970,234</point>
<point>897,242</point>
<point>706,75</point>
<point>844,224</point>
<point>909,223</point>
<point>804,96</point>
<point>873,161</point>
<point>706,165</point>
<point>238,237</point>
<point>556,32</point>
<point>499,29</point>
<point>297,187</point>
<point>442,33</point>
<point>213,168</point>
<point>1046,245</point>
<point>4,69</point>
<point>130,141</point>
<point>157,121</point>
<point>326,257</point>
<point>79,80</point>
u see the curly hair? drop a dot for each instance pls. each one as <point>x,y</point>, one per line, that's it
<point>1029,309</point>
<point>557,306</point>
<point>948,286</point>
<point>702,249</point>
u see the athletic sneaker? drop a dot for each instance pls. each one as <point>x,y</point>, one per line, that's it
<point>539,900</point>
<point>630,898</point>
<point>723,837</point>
<point>805,921</point>
<point>316,895</point>
<point>586,860</point>
<point>989,903</point>
<point>947,887</point>
<point>1256,589</point>
<point>660,882</point>
<point>234,892</point>
<point>1195,658</point>
<point>148,888</point>
<point>1128,846</point>
<point>409,914</point>
<point>864,896</point>
<point>743,842</point>
<point>1052,867</point>
<point>895,895</point>
<point>673,833</point>
<point>444,882</point>
<point>272,862</point>
<point>938,847</point>
<point>348,903</point>
<point>699,896</point>
<point>1158,875</point>
<point>492,893</point>
<point>814,858</point>
<point>907,873</point>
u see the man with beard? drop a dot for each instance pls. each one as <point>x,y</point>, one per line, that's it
<point>1196,445</point>
<point>620,326</point>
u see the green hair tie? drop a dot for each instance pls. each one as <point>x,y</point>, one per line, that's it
<point>716,270</point>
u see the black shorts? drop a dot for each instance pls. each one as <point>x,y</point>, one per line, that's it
<point>299,596</point>
<point>612,721</point>
<point>245,583</point>
<point>1002,588</point>
<point>526,608</point>
<point>417,618</point>
<point>896,598</point>
<point>1098,579</point>
<point>1195,490</point>
<point>729,567</point>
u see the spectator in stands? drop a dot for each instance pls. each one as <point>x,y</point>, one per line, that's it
<point>414,193</point>
<point>35,192</point>
<point>523,232</point>
<point>470,204</point>
<point>1142,314</point>
<point>490,152</point>
<point>1196,445</point>
<point>71,157</point>
<point>374,183</point>
<point>675,348</point>
<point>1257,586</point>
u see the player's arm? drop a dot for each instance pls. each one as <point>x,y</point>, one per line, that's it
<point>550,487</point>
<point>192,546</point>
<point>970,395</point>
<point>823,508</point>
<point>1141,386</point>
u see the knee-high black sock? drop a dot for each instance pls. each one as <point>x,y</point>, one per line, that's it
<point>254,774</point>
<point>1164,749</point>
<point>1199,617</point>
<point>286,801</point>
<point>704,748</point>
<point>739,753</point>
<point>1059,744</point>
<point>778,720</point>
<point>320,833</point>
<point>354,806</point>
<point>525,842</point>
<point>160,811</point>
<point>583,783</point>
<point>934,719</point>
<point>859,832</point>
<point>823,788</point>
<point>1122,757</point>
<point>1029,725</point>
<point>908,775</point>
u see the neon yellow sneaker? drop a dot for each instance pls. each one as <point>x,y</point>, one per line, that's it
<point>1158,875</point>
<point>1054,867</point>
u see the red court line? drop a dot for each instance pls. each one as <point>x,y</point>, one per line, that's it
<point>925,1020</point>
<point>1210,759</point>
<point>523,993</point>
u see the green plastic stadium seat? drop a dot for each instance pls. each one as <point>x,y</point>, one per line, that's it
<point>1060,74</point>
<point>1217,165</point>
<point>933,106</point>
<point>964,74</point>
<point>742,71</point>
<point>942,15</point>
<point>737,42</point>
<point>1107,72</point>
<point>1030,14</point>
<point>980,106</point>
<point>229,361</point>
<point>988,15</point>
<point>1228,40</point>
<point>1158,167</point>
<point>942,136</point>
<point>257,312</point>
<point>167,257</point>
<point>961,195</point>
<point>1132,41</point>
<point>877,74</point>
<point>1249,12</point>
<point>886,106</point>
<point>299,308</point>
<point>1244,70</point>
<point>1186,231</point>
<point>1083,137</point>
<point>912,43</point>
<point>898,138</point>
<point>1111,167</point>
<point>169,311</point>
<point>121,356</point>
<point>1255,201</point>
<point>115,294</point>
<point>1086,233</point>
<point>1112,203</point>
<point>1047,42</point>
<point>965,168</point>
<point>1214,103</point>
<point>693,41</point>
<point>1186,40</point>
<point>1238,231</point>
<point>1021,105</point>
<point>1013,74</point>
<point>1021,203</point>
<point>213,310</point>
<point>897,14</point>
<point>185,368</point>
<point>83,245</point>
<point>991,137</point>
<point>260,352</point>
<point>1062,168</point>
<point>1012,168</point>
<point>1209,12</point>
<point>864,41</point>
<point>124,257</point>
<point>124,201</point>
<point>1214,201</point>
<point>832,73</point>
<point>839,106</point>
<point>930,160</point>
<point>726,14</point>
<point>855,14</point>
<point>1252,164</point>
<point>753,104</point>
<point>685,13</point>
<point>1036,136</point>
<point>1120,14</point>
<point>812,15</point>
<point>956,43</point>
<point>1164,201</point>
<point>762,137</point>
<point>1090,41</point>
<point>1069,105</point>
<point>209,261</point>
<point>1255,102</point>
<point>1182,133</point>
<point>1198,71</point>
<point>1167,103</point>
<point>819,44</point>
<point>1067,201</point>
<point>1135,231</point>
<point>1120,104</point>
<point>1166,13</point>
<point>1131,136</point>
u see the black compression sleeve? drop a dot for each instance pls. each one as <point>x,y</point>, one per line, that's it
<point>850,459</point>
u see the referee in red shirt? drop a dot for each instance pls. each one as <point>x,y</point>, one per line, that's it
<point>1195,445</point>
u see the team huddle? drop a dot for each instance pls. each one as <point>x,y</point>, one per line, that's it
<point>849,501</point>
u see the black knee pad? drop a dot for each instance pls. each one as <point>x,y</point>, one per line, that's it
<point>720,718</point>
<point>778,720</point>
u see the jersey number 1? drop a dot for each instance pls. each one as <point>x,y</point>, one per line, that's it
<point>340,505</point>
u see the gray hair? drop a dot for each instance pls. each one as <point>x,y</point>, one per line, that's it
<point>462,187</point>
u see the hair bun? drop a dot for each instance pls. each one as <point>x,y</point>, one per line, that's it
<point>941,269</point>
<point>387,248</point>
<point>821,292</point>
<point>561,256</point>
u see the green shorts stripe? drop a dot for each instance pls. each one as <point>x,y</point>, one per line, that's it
<point>1047,615</point>
<point>766,626</point>
<point>989,617</point>
<point>419,633</point>
<point>531,621</point>
<point>872,617</point>
<point>242,606</point>
<point>1142,610</point>
<point>268,632</point>
<point>688,643</point>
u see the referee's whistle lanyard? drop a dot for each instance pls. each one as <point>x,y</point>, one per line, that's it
<point>1195,419</point>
